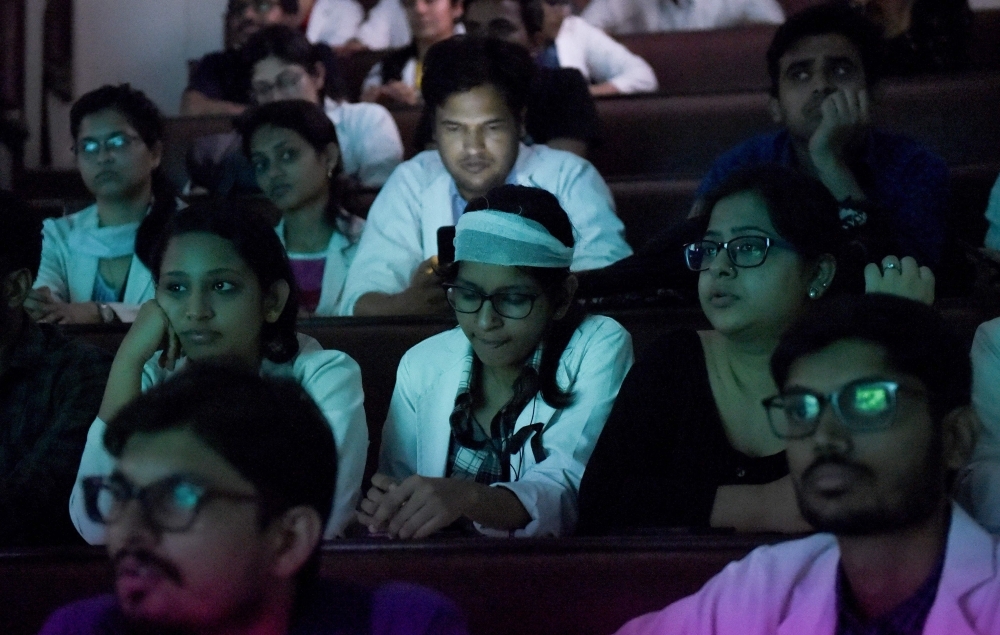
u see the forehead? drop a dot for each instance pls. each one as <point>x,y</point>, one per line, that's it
<point>483,11</point>
<point>268,136</point>
<point>816,48</point>
<point>195,253</point>
<point>152,456</point>
<point>482,102</point>
<point>272,65</point>
<point>105,122</point>
<point>839,363</point>
<point>489,277</point>
<point>743,209</point>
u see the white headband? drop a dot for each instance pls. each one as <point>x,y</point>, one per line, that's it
<point>500,238</point>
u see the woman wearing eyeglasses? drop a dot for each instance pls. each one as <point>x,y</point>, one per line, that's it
<point>89,272</point>
<point>492,423</point>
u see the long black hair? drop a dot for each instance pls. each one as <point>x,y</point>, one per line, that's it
<point>143,115</point>
<point>253,237</point>
<point>543,208</point>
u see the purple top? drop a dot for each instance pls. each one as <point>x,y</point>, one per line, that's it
<point>393,609</point>
<point>308,273</point>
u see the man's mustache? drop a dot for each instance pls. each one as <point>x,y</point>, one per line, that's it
<point>861,470</point>
<point>147,558</point>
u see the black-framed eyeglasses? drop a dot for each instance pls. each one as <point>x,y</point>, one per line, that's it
<point>284,82</point>
<point>115,144</point>
<point>170,504</point>
<point>866,405</point>
<point>744,251</point>
<point>515,306</point>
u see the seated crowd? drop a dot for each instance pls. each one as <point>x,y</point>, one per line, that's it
<point>827,396</point>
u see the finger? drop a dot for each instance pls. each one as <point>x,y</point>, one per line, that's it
<point>423,518</point>
<point>364,519</point>
<point>375,495</point>
<point>383,482</point>
<point>391,503</point>
<point>873,277</point>
<point>368,506</point>
<point>173,348</point>
<point>926,274</point>
<point>434,525</point>
<point>863,112</point>
<point>406,511</point>
<point>891,263</point>
<point>50,318</point>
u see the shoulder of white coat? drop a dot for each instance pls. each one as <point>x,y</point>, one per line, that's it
<point>63,225</point>
<point>599,328</point>
<point>775,568</point>
<point>989,333</point>
<point>436,355</point>
<point>552,169</point>
<point>365,112</point>
<point>413,175</point>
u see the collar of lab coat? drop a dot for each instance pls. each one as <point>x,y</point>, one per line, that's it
<point>83,272</point>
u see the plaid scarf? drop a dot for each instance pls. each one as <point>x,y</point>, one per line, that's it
<point>472,454</point>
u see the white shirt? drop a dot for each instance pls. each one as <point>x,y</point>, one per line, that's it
<point>644,16</point>
<point>334,22</point>
<point>401,230</point>
<point>600,58</point>
<point>331,378</point>
<point>71,275</point>
<point>791,589</point>
<point>993,216</point>
<point>386,26</point>
<point>979,483</point>
<point>417,429</point>
<point>370,145</point>
<point>339,255</point>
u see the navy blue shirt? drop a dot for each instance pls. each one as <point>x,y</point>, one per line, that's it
<point>898,175</point>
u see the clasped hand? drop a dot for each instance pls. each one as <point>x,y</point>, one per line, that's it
<point>416,507</point>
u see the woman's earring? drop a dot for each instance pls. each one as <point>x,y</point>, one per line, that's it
<point>329,172</point>
<point>813,294</point>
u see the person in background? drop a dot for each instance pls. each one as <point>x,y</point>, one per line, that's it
<point>295,154</point>
<point>397,79</point>
<point>873,400</point>
<point>218,85</point>
<point>214,515</point>
<point>90,273</point>
<point>50,390</point>
<point>386,27</point>
<point>335,22</point>
<point>476,90</point>
<point>992,240</point>
<point>283,65</point>
<point>621,17</point>
<point>225,291</point>
<point>823,62</point>
<point>921,36</point>
<point>530,370</point>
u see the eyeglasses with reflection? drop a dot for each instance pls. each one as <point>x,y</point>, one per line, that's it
<point>515,306</point>
<point>866,405</point>
<point>743,251</point>
<point>286,80</point>
<point>170,504</point>
<point>115,144</point>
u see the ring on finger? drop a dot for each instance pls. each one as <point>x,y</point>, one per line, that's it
<point>889,265</point>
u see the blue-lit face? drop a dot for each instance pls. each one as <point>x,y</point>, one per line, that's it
<point>113,160</point>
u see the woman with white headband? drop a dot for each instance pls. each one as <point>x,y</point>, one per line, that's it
<point>492,423</point>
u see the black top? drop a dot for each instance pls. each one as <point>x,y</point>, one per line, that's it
<point>936,42</point>
<point>664,451</point>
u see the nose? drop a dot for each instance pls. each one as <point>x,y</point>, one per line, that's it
<point>721,266</point>
<point>831,435</point>
<point>132,528</point>
<point>475,140</point>
<point>488,318</point>
<point>199,306</point>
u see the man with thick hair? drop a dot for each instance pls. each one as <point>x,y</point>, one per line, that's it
<point>50,390</point>
<point>214,517</point>
<point>823,61</point>
<point>874,407</point>
<point>475,89</point>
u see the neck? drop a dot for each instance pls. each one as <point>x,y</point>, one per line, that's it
<point>121,211</point>
<point>886,569</point>
<point>501,376</point>
<point>306,229</point>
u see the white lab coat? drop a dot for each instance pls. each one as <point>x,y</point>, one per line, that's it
<point>334,22</point>
<point>386,26</point>
<point>993,216</point>
<point>401,230</point>
<point>417,430</point>
<point>979,482</point>
<point>339,255</point>
<point>790,589</point>
<point>600,58</point>
<point>621,17</point>
<point>71,276</point>
<point>331,378</point>
<point>370,145</point>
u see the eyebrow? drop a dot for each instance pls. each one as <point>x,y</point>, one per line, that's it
<point>510,288</point>
<point>212,272</point>
<point>118,133</point>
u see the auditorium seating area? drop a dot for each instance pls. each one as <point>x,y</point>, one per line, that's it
<point>653,151</point>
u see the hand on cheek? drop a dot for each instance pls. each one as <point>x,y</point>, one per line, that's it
<point>845,115</point>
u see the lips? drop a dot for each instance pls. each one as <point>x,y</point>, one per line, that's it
<point>105,175</point>
<point>721,300</point>
<point>200,337</point>
<point>138,572</point>
<point>492,344</point>
<point>278,191</point>
<point>475,166</point>
<point>831,478</point>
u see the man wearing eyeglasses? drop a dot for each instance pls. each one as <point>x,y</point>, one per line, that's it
<point>874,406</point>
<point>219,84</point>
<point>214,515</point>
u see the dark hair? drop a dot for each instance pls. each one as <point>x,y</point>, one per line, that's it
<point>461,63</point>
<point>532,13</point>
<point>143,115</point>
<point>543,208</point>
<point>802,211</point>
<point>269,429</point>
<point>255,240</point>
<point>291,47</point>
<point>20,236</point>
<point>916,339</point>
<point>823,19</point>
<point>289,7</point>
<point>310,122</point>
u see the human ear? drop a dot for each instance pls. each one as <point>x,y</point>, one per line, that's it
<point>319,74</point>
<point>157,152</point>
<point>959,431</point>
<point>523,132</point>
<point>16,287</point>
<point>823,275</point>
<point>294,538</point>
<point>774,107</point>
<point>275,300</point>
<point>332,157</point>
<point>570,285</point>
